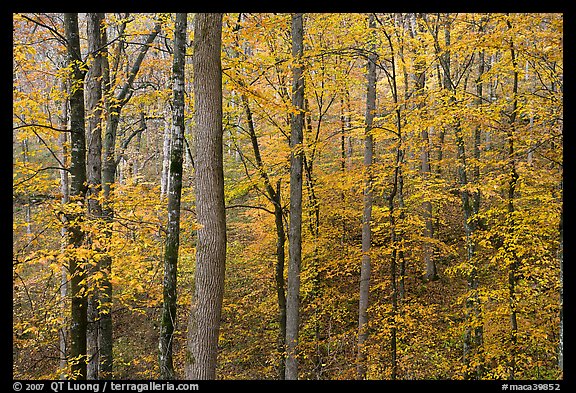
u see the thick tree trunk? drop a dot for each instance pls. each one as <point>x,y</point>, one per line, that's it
<point>365,269</point>
<point>204,321</point>
<point>168,321</point>
<point>295,230</point>
<point>77,194</point>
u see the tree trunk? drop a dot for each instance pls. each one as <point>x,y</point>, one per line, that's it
<point>295,231</point>
<point>168,321</point>
<point>77,193</point>
<point>279,276</point>
<point>275,197</point>
<point>204,321</point>
<point>94,175</point>
<point>515,264</point>
<point>64,189</point>
<point>365,269</point>
<point>164,178</point>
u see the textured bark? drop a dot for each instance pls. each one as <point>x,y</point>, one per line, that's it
<point>295,230</point>
<point>168,321</point>
<point>204,321</point>
<point>365,269</point>
<point>77,194</point>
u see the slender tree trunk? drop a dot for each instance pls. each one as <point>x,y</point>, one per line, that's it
<point>295,230</point>
<point>394,238</point>
<point>168,321</point>
<point>94,175</point>
<point>279,277</point>
<point>474,280</point>
<point>515,262</point>
<point>105,341</point>
<point>64,189</point>
<point>365,269</point>
<point>275,197</point>
<point>420,84</point>
<point>164,179</point>
<point>204,321</point>
<point>136,158</point>
<point>77,194</point>
<point>28,208</point>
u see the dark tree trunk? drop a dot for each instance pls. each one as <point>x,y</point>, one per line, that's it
<point>204,321</point>
<point>77,194</point>
<point>64,189</point>
<point>515,264</point>
<point>94,176</point>
<point>295,230</point>
<point>275,197</point>
<point>365,269</point>
<point>168,321</point>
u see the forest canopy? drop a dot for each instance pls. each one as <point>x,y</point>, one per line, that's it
<point>287,196</point>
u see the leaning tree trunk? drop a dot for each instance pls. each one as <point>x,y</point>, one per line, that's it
<point>295,230</point>
<point>168,321</point>
<point>365,268</point>
<point>204,321</point>
<point>78,323</point>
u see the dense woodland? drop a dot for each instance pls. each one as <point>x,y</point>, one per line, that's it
<point>287,196</point>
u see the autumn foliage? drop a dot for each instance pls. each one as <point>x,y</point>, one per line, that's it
<point>468,133</point>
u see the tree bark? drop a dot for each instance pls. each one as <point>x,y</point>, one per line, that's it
<point>295,230</point>
<point>94,175</point>
<point>514,265</point>
<point>77,194</point>
<point>204,321</point>
<point>164,178</point>
<point>64,189</point>
<point>168,321</point>
<point>365,269</point>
